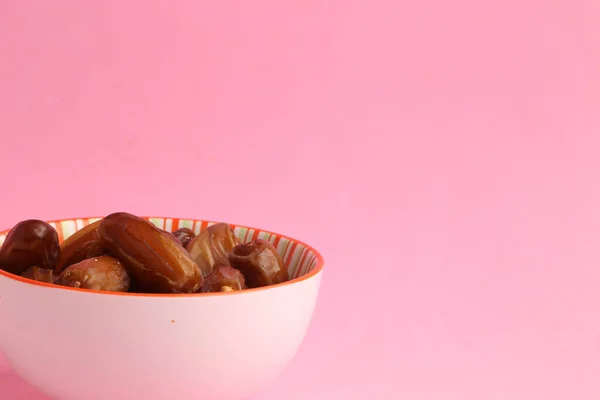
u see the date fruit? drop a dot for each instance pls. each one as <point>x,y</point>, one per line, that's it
<point>39,274</point>
<point>91,249</point>
<point>98,273</point>
<point>260,263</point>
<point>85,243</point>
<point>184,235</point>
<point>210,249</point>
<point>157,262</point>
<point>170,235</point>
<point>224,277</point>
<point>30,243</point>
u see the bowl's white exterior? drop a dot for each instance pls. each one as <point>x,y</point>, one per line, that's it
<point>76,345</point>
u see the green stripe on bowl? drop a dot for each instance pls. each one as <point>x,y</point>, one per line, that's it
<point>159,222</point>
<point>68,228</point>
<point>186,223</point>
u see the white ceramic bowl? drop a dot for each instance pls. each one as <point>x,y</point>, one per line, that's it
<point>80,345</point>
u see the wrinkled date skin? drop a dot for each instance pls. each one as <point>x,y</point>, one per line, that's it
<point>224,277</point>
<point>83,244</point>
<point>30,243</point>
<point>260,263</point>
<point>98,273</point>
<point>39,274</point>
<point>210,249</point>
<point>158,263</point>
<point>184,235</point>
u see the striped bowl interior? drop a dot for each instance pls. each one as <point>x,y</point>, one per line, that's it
<point>299,258</point>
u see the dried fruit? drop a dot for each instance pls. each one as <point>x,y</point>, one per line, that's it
<point>224,277</point>
<point>210,249</point>
<point>260,263</point>
<point>98,273</point>
<point>157,262</point>
<point>30,243</point>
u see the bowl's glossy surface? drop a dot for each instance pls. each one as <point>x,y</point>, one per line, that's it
<point>82,345</point>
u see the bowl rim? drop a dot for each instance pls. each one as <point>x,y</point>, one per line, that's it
<point>315,271</point>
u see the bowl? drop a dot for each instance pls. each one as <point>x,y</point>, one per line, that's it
<point>74,344</point>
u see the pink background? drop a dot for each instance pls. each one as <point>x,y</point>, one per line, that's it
<point>443,155</point>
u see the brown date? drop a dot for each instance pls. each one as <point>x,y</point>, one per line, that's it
<point>30,243</point>
<point>39,274</point>
<point>91,249</point>
<point>184,235</point>
<point>83,244</point>
<point>224,277</point>
<point>210,249</point>
<point>260,263</point>
<point>169,234</point>
<point>156,261</point>
<point>98,273</point>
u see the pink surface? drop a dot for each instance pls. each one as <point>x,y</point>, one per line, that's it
<point>442,155</point>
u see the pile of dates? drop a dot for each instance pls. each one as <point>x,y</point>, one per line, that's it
<point>126,253</point>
